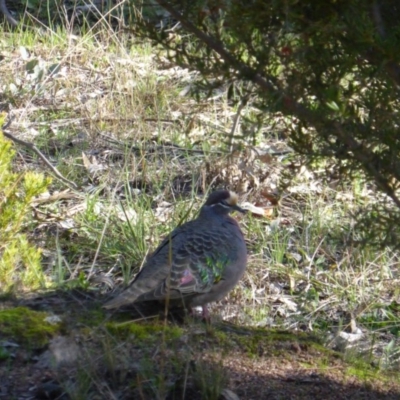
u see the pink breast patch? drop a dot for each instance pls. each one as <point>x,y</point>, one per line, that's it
<point>187,277</point>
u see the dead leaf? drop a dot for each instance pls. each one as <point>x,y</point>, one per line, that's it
<point>50,198</point>
<point>260,211</point>
<point>265,158</point>
<point>227,394</point>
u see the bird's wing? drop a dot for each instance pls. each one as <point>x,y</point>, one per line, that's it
<point>186,262</point>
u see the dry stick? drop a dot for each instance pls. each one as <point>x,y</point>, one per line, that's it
<point>9,17</point>
<point>236,124</point>
<point>360,152</point>
<point>31,146</point>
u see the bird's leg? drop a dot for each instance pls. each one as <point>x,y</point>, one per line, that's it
<point>205,314</point>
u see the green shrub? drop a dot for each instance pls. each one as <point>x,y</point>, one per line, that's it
<point>20,265</point>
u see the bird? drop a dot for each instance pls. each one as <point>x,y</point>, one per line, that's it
<point>199,262</point>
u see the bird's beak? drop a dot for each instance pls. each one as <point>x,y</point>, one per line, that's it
<point>240,209</point>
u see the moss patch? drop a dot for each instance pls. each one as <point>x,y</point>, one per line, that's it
<point>256,342</point>
<point>147,331</point>
<point>4,354</point>
<point>91,317</point>
<point>27,327</point>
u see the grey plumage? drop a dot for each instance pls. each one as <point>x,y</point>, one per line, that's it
<point>199,262</point>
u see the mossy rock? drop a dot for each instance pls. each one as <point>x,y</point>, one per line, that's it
<point>27,327</point>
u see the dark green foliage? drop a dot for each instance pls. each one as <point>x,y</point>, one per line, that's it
<point>69,12</point>
<point>326,75</point>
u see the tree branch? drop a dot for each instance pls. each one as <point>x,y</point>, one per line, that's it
<point>291,106</point>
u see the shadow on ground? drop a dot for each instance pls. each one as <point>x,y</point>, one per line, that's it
<point>65,346</point>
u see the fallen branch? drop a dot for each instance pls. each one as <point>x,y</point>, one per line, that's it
<point>32,147</point>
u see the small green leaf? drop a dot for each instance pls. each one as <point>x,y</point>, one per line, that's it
<point>333,105</point>
<point>30,65</point>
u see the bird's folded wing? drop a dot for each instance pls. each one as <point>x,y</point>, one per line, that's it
<point>185,263</point>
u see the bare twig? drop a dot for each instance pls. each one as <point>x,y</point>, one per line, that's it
<point>10,19</point>
<point>32,147</point>
<point>236,123</point>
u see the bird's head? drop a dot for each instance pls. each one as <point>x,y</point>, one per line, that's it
<point>223,202</point>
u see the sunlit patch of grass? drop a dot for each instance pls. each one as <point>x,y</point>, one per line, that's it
<point>311,272</point>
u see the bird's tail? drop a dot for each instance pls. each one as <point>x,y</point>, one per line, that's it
<point>123,299</point>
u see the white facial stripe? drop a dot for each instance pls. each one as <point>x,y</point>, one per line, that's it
<point>221,204</point>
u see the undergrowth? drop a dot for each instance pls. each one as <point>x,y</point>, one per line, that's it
<point>122,126</point>
<point>20,260</point>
